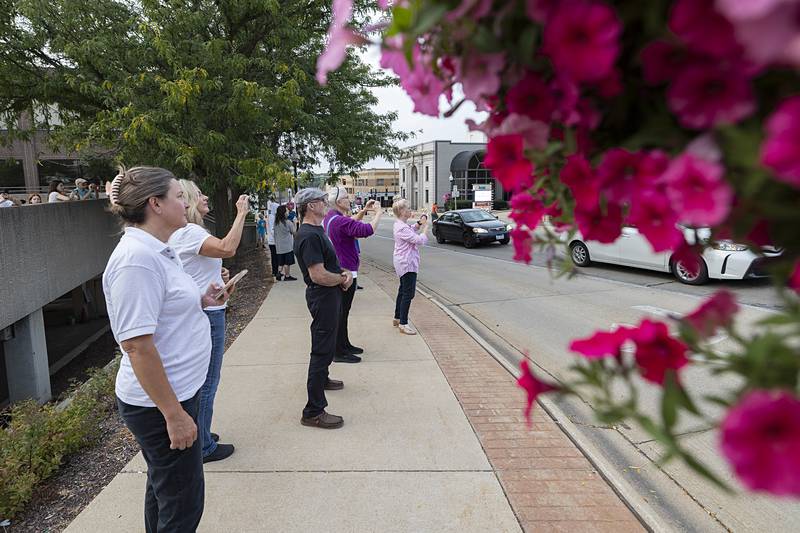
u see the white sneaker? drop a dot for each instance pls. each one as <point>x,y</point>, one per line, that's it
<point>408,329</point>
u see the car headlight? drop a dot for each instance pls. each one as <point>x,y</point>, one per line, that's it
<point>729,246</point>
<point>479,230</point>
<point>508,227</point>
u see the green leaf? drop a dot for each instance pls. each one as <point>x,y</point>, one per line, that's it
<point>669,401</point>
<point>429,17</point>
<point>701,469</point>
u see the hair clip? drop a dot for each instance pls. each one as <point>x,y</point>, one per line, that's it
<point>112,189</point>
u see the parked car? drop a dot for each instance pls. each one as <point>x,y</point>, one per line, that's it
<point>471,227</point>
<point>719,260</point>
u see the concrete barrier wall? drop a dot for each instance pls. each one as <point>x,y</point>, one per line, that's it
<point>47,250</point>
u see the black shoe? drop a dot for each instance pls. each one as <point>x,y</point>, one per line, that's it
<point>215,437</point>
<point>347,358</point>
<point>334,384</point>
<point>290,278</point>
<point>223,451</point>
<point>355,350</point>
<point>359,287</point>
<point>323,420</point>
<point>278,277</point>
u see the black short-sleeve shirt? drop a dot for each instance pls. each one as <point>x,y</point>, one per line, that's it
<point>312,246</point>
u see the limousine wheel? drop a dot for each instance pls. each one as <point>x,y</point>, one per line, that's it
<point>580,254</point>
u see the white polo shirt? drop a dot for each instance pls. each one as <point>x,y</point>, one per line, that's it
<point>148,293</point>
<point>272,209</point>
<point>187,242</point>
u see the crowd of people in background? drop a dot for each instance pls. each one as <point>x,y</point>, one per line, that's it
<point>83,190</point>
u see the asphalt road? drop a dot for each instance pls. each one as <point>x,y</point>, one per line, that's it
<point>524,309</point>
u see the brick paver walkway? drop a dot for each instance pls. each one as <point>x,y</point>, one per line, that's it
<point>550,485</point>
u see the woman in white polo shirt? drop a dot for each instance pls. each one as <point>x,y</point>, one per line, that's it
<point>201,255</point>
<point>156,315</point>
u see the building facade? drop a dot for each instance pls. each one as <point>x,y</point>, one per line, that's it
<point>429,170</point>
<point>378,183</point>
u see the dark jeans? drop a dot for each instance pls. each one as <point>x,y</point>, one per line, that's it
<point>208,392</point>
<point>175,492</point>
<point>343,343</point>
<point>325,305</point>
<point>273,258</point>
<point>405,293</point>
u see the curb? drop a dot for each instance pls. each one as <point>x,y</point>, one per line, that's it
<point>638,506</point>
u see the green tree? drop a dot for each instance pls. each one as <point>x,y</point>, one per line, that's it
<point>216,90</point>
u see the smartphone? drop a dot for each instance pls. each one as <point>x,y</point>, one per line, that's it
<point>231,283</point>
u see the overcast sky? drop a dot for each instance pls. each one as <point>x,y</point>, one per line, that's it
<point>424,127</point>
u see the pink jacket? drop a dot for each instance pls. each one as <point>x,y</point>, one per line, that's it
<point>407,243</point>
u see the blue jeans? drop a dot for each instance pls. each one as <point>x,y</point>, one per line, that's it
<point>405,293</point>
<point>209,389</point>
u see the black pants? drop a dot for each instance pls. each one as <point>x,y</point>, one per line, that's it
<point>175,493</point>
<point>273,258</point>
<point>405,293</point>
<point>325,305</point>
<point>342,339</point>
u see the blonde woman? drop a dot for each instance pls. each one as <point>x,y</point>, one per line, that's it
<point>407,243</point>
<point>201,255</point>
<point>156,315</point>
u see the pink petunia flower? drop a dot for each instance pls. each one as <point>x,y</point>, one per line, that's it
<point>705,95</point>
<point>565,95</point>
<point>781,149</point>
<point>424,88</point>
<point>534,132</point>
<point>479,75</point>
<point>698,24</point>
<point>581,37</point>
<point>688,256</point>
<point>698,190</point>
<point>531,97</point>
<point>617,174</point>
<point>769,30</point>
<point>602,343</point>
<point>597,224</point>
<point>654,217</point>
<point>578,175</point>
<point>752,9</point>
<point>760,437</point>
<point>523,243</point>
<point>505,158</point>
<point>662,61</point>
<point>794,278</point>
<point>540,10</point>
<point>335,52</point>
<point>526,210</point>
<point>474,9</point>
<point>657,352</point>
<point>610,86</point>
<point>715,312</point>
<point>533,386</point>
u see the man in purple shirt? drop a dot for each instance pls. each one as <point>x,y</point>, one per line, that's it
<point>343,231</point>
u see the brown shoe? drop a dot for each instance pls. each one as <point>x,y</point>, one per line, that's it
<point>323,420</point>
<point>334,384</point>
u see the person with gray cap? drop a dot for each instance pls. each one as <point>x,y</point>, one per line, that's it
<point>326,282</point>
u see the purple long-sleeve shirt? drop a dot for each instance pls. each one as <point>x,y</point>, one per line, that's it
<point>407,243</point>
<point>343,232</point>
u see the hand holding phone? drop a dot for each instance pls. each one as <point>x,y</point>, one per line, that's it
<point>231,283</point>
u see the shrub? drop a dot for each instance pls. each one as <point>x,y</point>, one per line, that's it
<point>39,437</point>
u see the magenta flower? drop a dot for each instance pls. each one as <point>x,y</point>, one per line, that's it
<point>474,9</point>
<point>540,10</point>
<point>705,95</point>
<point>506,160</point>
<point>598,224</point>
<point>716,312</point>
<point>655,218</point>
<point>531,97</point>
<point>617,174</point>
<point>602,343</point>
<point>577,174</point>
<point>794,279</point>
<point>760,438</point>
<point>565,95</point>
<point>479,75</point>
<point>662,61</point>
<point>698,24</point>
<point>688,256</point>
<point>781,149</point>
<point>339,38</point>
<point>523,242</point>
<point>533,386</point>
<point>581,37</point>
<point>698,190</point>
<point>769,30</point>
<point>657,352</point>
<point>526,210</point>
<point>424,88</point>
<point>534,132</point>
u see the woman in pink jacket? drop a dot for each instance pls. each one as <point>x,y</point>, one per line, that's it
<point>407,243</point>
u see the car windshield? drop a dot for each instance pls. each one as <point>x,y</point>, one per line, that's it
<point>478,215</point>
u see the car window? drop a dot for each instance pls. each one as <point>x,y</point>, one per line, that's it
<point>447,217</point>
<point>457,219</point>
<point>478,215</point>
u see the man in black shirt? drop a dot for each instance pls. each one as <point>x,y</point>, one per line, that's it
<point>325,283</point>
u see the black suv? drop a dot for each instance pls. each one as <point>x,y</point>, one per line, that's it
<point>470,226</point>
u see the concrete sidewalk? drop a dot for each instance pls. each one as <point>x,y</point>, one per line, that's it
<point>407,458</point>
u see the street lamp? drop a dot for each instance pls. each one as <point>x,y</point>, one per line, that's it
<point>294,155</point>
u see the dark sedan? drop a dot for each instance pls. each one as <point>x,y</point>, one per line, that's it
<point>471,227</point>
